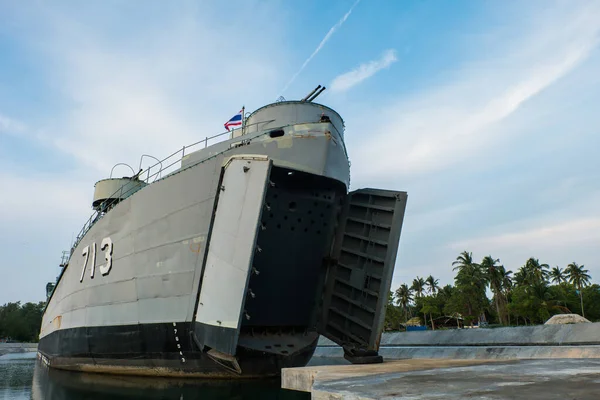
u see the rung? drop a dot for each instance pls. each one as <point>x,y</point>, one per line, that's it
<point>354,302</point>
<point>373,206</point>
<point>357,236</point>
<point>345,332</point>
<point>369,291</point>
<point>364,221</point>
<point>367,274</point>
<point>350,318</point>
<point>364,255</point>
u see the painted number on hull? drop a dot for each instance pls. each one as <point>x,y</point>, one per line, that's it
<point>107,247</point>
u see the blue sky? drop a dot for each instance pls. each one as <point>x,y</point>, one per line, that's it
<point>485,112</point>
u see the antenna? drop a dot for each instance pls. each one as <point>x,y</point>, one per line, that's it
<point>314,96</point>
<point>311,93</point>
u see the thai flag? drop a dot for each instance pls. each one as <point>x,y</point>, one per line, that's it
<point>236,120</point>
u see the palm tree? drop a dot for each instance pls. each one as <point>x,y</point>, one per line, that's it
<point>432,283</point>
<point>537,272</point>
<point>579,277</point>
<point>403,298</point>
<point>446,291</point>
<point>494,279</point>
<point>546,305</point>
<point>532,273</point>
<point>469,273</point>
<point>418,286</point>
<point>519,277</point>
<point>464,262</point>
<point>507,280</point>
<point>557,275</point>
<point>471,279</point>
<point>506,285</point>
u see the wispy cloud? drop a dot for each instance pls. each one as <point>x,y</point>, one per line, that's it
<point>364,71</point>
<point>562,234</point>
<point>153,91</point>
<point>436,127</point>
<point>10,125</point>
<point>320,46</point>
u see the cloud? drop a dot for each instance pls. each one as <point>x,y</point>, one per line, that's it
<point>563,234</point>
<point>364,71</point>
<point>320,46</point>
<point>557,235</point>
<point>437,126</point>
<point>151,91</point>
<point>10,125</point>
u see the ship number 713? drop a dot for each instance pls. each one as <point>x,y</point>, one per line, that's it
<point>90,252</point>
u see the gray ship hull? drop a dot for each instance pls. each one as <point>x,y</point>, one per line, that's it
<point>151,350</point>
<point>215,270</point>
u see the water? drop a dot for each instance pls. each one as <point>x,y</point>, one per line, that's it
<point>16,375</point>
<point>22,376</point>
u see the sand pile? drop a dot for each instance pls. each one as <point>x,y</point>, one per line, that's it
<point>566,319</point>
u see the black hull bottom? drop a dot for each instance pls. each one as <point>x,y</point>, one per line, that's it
<point>156,350</point>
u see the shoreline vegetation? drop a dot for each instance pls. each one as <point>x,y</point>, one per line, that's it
<point>529,296</point>
<point>21,322</point>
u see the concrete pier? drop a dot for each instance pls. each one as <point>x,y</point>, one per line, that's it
<point>543,341</point>
<point>6,348</point>
<point>450,379</point>
<point>531,362</point>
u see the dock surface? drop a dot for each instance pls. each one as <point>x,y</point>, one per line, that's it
<point>450,379</point>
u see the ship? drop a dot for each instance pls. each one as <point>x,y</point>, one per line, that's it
<point>230,257</point>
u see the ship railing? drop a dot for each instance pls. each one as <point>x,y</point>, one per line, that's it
<point>170,161</point>
<point>179,155</point>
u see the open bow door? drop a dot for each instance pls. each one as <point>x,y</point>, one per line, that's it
<point>360,272</point>
<point>231,249</point>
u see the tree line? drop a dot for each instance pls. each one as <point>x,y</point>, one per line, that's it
<point>529,296</point>
<point>21,322</point>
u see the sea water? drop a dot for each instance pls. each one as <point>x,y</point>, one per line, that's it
<point>22,376</point>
